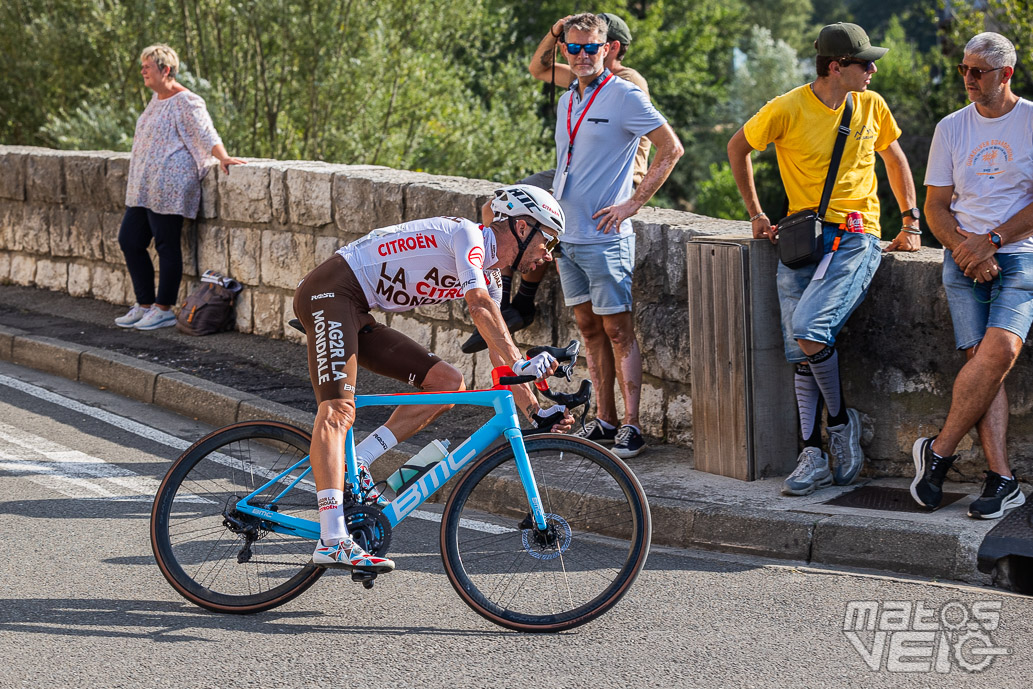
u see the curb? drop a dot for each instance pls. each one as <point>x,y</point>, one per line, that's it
<point>870,543</point>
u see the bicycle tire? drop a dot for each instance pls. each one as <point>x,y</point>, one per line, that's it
<point>193,540</point>
<point>599,519</point>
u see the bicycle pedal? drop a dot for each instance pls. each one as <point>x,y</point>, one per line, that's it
<point>363,577</point>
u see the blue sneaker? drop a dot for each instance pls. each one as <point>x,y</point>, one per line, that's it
<point>812,472</point>
<point>845,449</point>
<point>349,555</point>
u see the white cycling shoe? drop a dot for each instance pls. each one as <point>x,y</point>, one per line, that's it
<point>349,555</point>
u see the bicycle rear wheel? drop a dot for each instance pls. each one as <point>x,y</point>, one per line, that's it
<point>217,557</point>
<point>595,546</point>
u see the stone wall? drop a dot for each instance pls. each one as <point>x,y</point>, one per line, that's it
<point>269,222</point>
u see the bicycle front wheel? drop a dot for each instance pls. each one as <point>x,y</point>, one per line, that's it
<point>595,545</point>
<point>217,557</point>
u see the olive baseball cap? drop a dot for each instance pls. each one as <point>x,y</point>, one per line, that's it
<point>847,40</point>
<point>616,28</point>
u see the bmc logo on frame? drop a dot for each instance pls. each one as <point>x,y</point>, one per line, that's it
<point>916,636</point>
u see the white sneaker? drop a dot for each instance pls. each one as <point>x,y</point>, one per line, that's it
<point>349,555</point>
<point>156,318</point>
<point>132,317</point>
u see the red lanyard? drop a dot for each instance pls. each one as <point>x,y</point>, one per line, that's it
<point>572,134</point>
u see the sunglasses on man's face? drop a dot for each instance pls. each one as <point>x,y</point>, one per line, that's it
<point>551,240</point>
<point>590,48</point>
<point>964,70</point>
<point>868,65</point>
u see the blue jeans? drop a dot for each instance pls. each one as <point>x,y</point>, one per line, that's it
<point>1005,303</point>
<point>816,310</point>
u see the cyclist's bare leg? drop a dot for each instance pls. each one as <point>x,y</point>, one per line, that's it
<point>601,367</point>
<point>407,421</point>
<point>333,419</point>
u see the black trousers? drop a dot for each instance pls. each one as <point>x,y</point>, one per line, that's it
<point>139,226</point>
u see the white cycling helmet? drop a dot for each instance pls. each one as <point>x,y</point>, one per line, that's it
<point>528,200</point>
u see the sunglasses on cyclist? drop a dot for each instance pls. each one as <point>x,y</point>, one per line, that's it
<point>868,65</point>
<point>551,240</point>
<point>590,48</point>
<point>963,70</point>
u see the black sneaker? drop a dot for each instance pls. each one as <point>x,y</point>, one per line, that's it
<point>514,321</point>
<point>930,470</point>
<point>628,442</point>
<point>999,495</point>
<point>595,432</point>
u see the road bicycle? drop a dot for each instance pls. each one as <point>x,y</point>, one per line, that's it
<point>542,532</point>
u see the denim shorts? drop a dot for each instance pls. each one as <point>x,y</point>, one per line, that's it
<point>599,273</point>
<point>1005,303</point>
<point>816,310</point>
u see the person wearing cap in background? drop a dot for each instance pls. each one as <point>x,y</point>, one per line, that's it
<point>979,204</point>
<point>817,299</point>
<point>520,312</point>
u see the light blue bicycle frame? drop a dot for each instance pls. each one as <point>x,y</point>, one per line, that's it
<point>503,423</point>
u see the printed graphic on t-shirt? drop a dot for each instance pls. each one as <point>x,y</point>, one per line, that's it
<point>989,158</point>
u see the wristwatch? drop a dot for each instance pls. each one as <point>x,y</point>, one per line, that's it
<point>995,238</point>
<point>912,212</point>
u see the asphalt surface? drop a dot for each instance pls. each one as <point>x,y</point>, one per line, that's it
<point>82,603</point>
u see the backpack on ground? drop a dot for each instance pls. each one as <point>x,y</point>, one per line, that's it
<point>209,308</point>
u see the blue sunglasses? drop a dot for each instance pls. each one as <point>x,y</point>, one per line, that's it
<point>590,48</point>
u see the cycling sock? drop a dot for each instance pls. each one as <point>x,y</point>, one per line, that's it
<point>605,425</point>
<point>507,285</point>
<point>373,445</point>
<point>524,299</point>
<point>825,366</point>
<point>332,529</point>
<point>808,403</point>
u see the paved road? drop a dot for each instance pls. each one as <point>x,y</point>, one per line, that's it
<point>83,605</point>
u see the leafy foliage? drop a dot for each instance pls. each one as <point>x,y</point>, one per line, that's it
<point>443,86</point>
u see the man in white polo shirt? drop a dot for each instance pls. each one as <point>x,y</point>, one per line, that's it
<point>599,122</point>
<point>979,204</point>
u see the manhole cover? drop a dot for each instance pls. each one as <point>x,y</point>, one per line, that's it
<point>887,499</point>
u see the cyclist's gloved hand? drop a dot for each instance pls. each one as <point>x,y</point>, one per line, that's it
<point>544,418</point>
<point>537,366</point>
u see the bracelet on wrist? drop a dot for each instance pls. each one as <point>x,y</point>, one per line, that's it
<point>762,214</point>
<point>911,230</point>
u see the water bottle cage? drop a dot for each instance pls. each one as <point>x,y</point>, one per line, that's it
<point>420,471</point>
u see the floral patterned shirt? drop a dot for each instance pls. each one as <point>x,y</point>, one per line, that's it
<point>172,149</point>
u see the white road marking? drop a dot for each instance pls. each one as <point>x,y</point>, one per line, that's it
<point>78,475</point>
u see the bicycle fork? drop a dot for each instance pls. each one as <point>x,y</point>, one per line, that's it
<point>523,464</point>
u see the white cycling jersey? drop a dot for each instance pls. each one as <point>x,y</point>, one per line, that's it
<point>424,262</point>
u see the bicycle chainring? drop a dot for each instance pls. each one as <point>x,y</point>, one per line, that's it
<point>369,528</point>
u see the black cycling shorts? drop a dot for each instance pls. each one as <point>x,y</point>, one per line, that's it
<point>341,335</point>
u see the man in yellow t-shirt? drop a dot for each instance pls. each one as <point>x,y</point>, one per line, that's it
<point>816,300</point>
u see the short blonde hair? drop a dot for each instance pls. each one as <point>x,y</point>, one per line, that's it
<point>162,56</point>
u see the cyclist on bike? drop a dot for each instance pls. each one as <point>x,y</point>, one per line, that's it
<point>396,269</point>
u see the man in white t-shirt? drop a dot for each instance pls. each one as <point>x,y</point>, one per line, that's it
<point>979,205</point>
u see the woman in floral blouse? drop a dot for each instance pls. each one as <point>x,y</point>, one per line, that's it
<point>174,142</point>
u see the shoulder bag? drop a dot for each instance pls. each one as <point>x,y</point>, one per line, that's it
<point>800,241</point>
